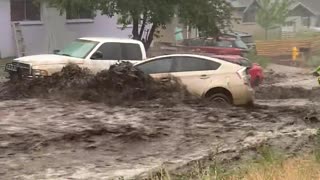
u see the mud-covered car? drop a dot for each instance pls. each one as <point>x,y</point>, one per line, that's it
<point>96,54</point>
<point>203,76</point>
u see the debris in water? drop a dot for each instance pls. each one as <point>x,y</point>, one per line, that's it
<point>122,83</point>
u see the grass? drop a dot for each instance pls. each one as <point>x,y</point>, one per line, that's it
<point>314,61</point>
<point>270,165</point>
<point>303,168</point>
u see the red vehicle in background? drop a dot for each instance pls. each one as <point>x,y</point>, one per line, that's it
<point>254,69</point>
<point>219,46</point>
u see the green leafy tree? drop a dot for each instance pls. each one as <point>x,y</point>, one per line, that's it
<point>209,16</point>
<point>272,13</point>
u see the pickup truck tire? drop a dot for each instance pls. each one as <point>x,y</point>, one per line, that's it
<point>220,99</point>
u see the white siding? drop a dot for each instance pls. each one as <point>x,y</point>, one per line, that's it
<point>36,39</point>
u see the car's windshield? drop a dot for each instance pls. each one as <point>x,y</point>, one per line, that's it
<point>78,48</point>
<point>240,44</point>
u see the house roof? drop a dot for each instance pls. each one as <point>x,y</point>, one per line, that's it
<point>312,5</point>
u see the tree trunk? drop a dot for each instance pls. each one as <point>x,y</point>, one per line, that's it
<point>135,27</point>
<point>150,36</point>
<point>143,25</point>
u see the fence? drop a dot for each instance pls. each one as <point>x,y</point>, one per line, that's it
<point>284,47</point>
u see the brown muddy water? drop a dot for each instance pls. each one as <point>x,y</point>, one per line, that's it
<point>44,136</point>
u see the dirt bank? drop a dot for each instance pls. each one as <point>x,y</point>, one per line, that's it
<point>121,84</point>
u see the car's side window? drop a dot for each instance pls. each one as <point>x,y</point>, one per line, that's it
<point>163,65</point>
<point>185,64</point>
<point>131,51</point>
<point>110,51</point>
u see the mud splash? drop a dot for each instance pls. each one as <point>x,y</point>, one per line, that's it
<point>122,83</point>
<point>272,77</point>
<point>279,92</point>
<point>83,140</point>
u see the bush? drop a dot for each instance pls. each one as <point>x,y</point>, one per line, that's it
<point>314,61</point>
<point>262,61</point>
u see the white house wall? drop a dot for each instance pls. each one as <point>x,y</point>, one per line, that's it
<point>35,34</point>
<point>6,37</point>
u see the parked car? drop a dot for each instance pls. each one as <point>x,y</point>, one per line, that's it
<point>95,54</point>
<point>204,76</point>
<point>245,37</point>
<point>255,70</point>
<point>220,46</point>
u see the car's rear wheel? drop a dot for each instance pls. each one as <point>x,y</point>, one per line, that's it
<point>220,99</point>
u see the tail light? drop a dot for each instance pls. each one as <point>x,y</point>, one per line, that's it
<point>243,74</point>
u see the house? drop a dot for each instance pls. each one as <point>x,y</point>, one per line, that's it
<point>45,29</point>
<point>243,12</point>
<point>304,15</point>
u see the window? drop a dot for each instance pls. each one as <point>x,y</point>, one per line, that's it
<point>25,10</point>
<point>163,65</point>
<point>240,44</point>
<point>247,39</point>
<point>250,13</point>
<point>79,13</point>
<point>131,51</point>
<point>306,21</point>
<point>185,64</point>
<point>111,51</point>
<point>223,43</point>
<point>78,48</point>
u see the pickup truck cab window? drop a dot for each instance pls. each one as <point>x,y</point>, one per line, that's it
<point>78,48</point>
<point>131,51</point>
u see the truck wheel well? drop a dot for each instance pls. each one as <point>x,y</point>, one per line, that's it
<point>221,90</point>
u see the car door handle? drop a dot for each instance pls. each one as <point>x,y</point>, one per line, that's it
<point>204,76</point>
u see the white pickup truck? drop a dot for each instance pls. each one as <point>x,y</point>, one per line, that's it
<point>95,54</point>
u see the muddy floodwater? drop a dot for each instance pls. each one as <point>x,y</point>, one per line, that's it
<point>46,138</point>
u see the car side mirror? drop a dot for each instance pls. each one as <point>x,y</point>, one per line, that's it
<point>56,51</point>
<point>97,55</point>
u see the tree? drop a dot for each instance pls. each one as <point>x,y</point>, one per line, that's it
<point>209,16</point>
<point>272,13</point>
